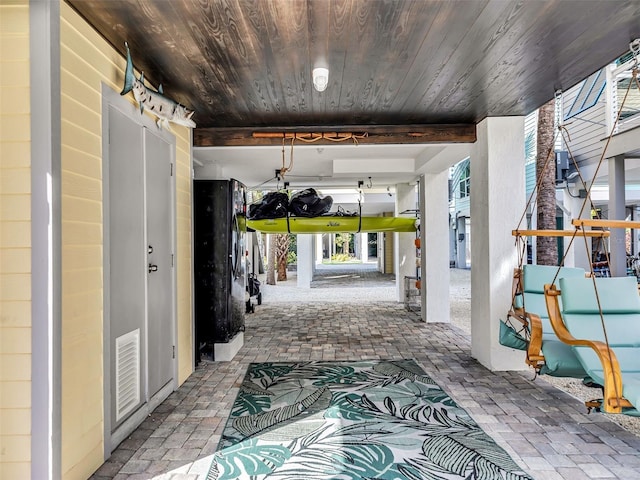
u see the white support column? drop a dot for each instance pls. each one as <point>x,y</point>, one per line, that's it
<point>497,202</point>
<point>577,255</point>
<point>618,257</point>
<point>405,251</point>
<point>305,260</point>
<point>635,234</point>
<point>567,215</point>
<point>46,296</point>
<point>364,245</point>
<point>318,249</point>
<point>315,240</point>
<point>434,237</point>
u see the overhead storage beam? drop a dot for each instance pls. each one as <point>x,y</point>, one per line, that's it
<point>332,135</point>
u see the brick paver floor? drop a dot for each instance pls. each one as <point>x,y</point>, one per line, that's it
<point>544,429</point>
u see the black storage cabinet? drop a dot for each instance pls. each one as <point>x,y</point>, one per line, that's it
<point>219,262</point>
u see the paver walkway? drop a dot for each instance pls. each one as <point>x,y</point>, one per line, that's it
<point>545,430</point>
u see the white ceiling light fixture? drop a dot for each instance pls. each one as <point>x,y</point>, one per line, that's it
<point>320,78</point>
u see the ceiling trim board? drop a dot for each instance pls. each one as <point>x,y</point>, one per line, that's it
<point>375,134</point>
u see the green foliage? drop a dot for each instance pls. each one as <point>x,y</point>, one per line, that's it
<point>293,242</point>
<point>342,257</point>
<point>345,241</point>
<point>292,258</point>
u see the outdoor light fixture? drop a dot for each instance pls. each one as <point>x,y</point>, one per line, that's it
<point>320,78</point>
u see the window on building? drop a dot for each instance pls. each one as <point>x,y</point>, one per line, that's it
<point>589,94</point>
<point>465,182</point>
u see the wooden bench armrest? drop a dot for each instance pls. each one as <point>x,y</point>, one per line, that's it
<point>613,401</point>
<point>534,352</point>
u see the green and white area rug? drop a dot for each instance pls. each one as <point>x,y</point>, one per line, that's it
<point>353,420</point>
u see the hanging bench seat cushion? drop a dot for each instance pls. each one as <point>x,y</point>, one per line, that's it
<point>631,390</point>
<point>620,304</point>
<point>627,358</point>
<point>560,361</point>
<point>617,295</point>
<point>535,277</point>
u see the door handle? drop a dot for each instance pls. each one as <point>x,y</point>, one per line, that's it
<point>153,268</point>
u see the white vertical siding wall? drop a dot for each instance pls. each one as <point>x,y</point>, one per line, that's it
<point>460,204</point>
<point>585,130</point>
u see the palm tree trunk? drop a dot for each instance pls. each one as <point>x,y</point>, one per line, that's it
<point>271,257</point>
<point>282,250</point>
<point>546,247</point>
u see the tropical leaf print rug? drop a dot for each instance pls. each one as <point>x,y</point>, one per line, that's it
<point>353,420</point>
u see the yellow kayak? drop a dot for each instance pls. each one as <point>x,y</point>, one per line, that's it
<point>334,224</point>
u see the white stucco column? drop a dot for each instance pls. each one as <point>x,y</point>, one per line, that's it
<point>564,199</point>
<point>318,248</point>
<point>434,235</point>
<point>635,236</point>
<point>576,254</point>
<point>305,260</point>
<point>617,211</point>
<point>497,202</point>
<point>364,242</point>
<point>405,247</point>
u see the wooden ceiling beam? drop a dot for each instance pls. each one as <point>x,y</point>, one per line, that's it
<point>326,135</point>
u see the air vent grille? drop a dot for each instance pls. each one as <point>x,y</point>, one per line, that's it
<point>127,373</point>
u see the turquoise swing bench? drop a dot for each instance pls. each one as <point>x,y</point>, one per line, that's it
<point>599,319</point>
<point>588,327</point>
<point>545,352</point>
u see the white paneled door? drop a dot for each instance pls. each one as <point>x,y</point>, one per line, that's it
<point>139,269</point>
<point>158,173</point>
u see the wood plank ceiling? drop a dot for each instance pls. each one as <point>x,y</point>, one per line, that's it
<point>401,71</point>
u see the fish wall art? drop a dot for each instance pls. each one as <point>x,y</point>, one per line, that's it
<point>165,109</point>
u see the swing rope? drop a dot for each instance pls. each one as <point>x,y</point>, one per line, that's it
<point>617,389</point>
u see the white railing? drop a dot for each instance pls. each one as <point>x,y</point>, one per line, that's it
<point>616,93</point>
